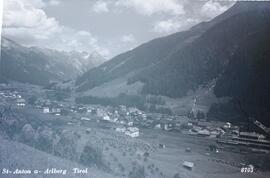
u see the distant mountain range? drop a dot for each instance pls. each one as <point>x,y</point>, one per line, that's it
<point>40,66</point>
<point>232,50</point>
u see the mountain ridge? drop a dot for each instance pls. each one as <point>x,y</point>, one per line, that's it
<point>182,62</point>
<point>160,48</point>
<point>22,63</point>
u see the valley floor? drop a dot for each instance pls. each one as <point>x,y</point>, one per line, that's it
<point>155,153</point>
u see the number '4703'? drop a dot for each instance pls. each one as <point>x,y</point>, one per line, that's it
<point>247,169</point>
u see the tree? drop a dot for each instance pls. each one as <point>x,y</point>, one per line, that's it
<point>66,147</point>
<point>152,108</point>
<point>32,100</point>
<point>176,175</point>
<point>92,155</point>
<point>191,115</point>
<point>137,172</point>
<point>200,115</point>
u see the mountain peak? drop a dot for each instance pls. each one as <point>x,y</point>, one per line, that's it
<point>7,43</point>
<point>240,7</point>
<point>39,65</point>
<point>251,5</point>
<point>237,8</point>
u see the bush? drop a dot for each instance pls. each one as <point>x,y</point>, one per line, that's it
<point>156,100</point>
<point>44,140</point>
<point>66,147</point>
<point>137,172</point>
<point>27,134</point>
<point>32,100</point>
<point>121,167</point>
<point>176,175</point>
<point>92,155</point>
<point>200,115</point>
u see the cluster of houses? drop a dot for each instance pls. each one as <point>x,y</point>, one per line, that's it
<point>121,115</point>
<point>21,102</point>
<point>251,135</point>
<point>12,96</point>
<point>130,119</point>
<point>57,108</point>
<point>208,129</point>
<point>52,110</point>
<point>130,131</point>
<point>49,107</point>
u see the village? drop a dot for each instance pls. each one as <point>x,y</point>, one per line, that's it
<point>133,123</point>
<point>129,120</point>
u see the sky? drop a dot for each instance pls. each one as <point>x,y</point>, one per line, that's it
<point>109,27</point>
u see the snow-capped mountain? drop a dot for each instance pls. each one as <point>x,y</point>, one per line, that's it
<point>39,65</point>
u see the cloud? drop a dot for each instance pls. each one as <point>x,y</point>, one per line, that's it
<point>53,2</point>
<point>174,25</point>
<point>35,3</point>
<point>151,7</point>
<point>213,8</point>
<point>167,26</point>
<point>41,3</point>
<point>128,38</point>
<point>23,18</point>
<point>100,7</point>
<point>1,19</point>
<point>28,24</point>
<point>203,12</point>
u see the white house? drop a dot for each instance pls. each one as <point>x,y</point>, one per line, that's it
<point>132,132</point>
<point>158,126</point>
<point>46,110</point>
<point>115,119</point>
<point>120,129</point>
<point>204,132</point>
<point>100,112</point>
<point>106,118</point>
<point>188,165</point>
<point>130,123</point>
<point>56,110</point>
<point>85,119</point>
<point>227,125</point>
<point>21,102</point>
